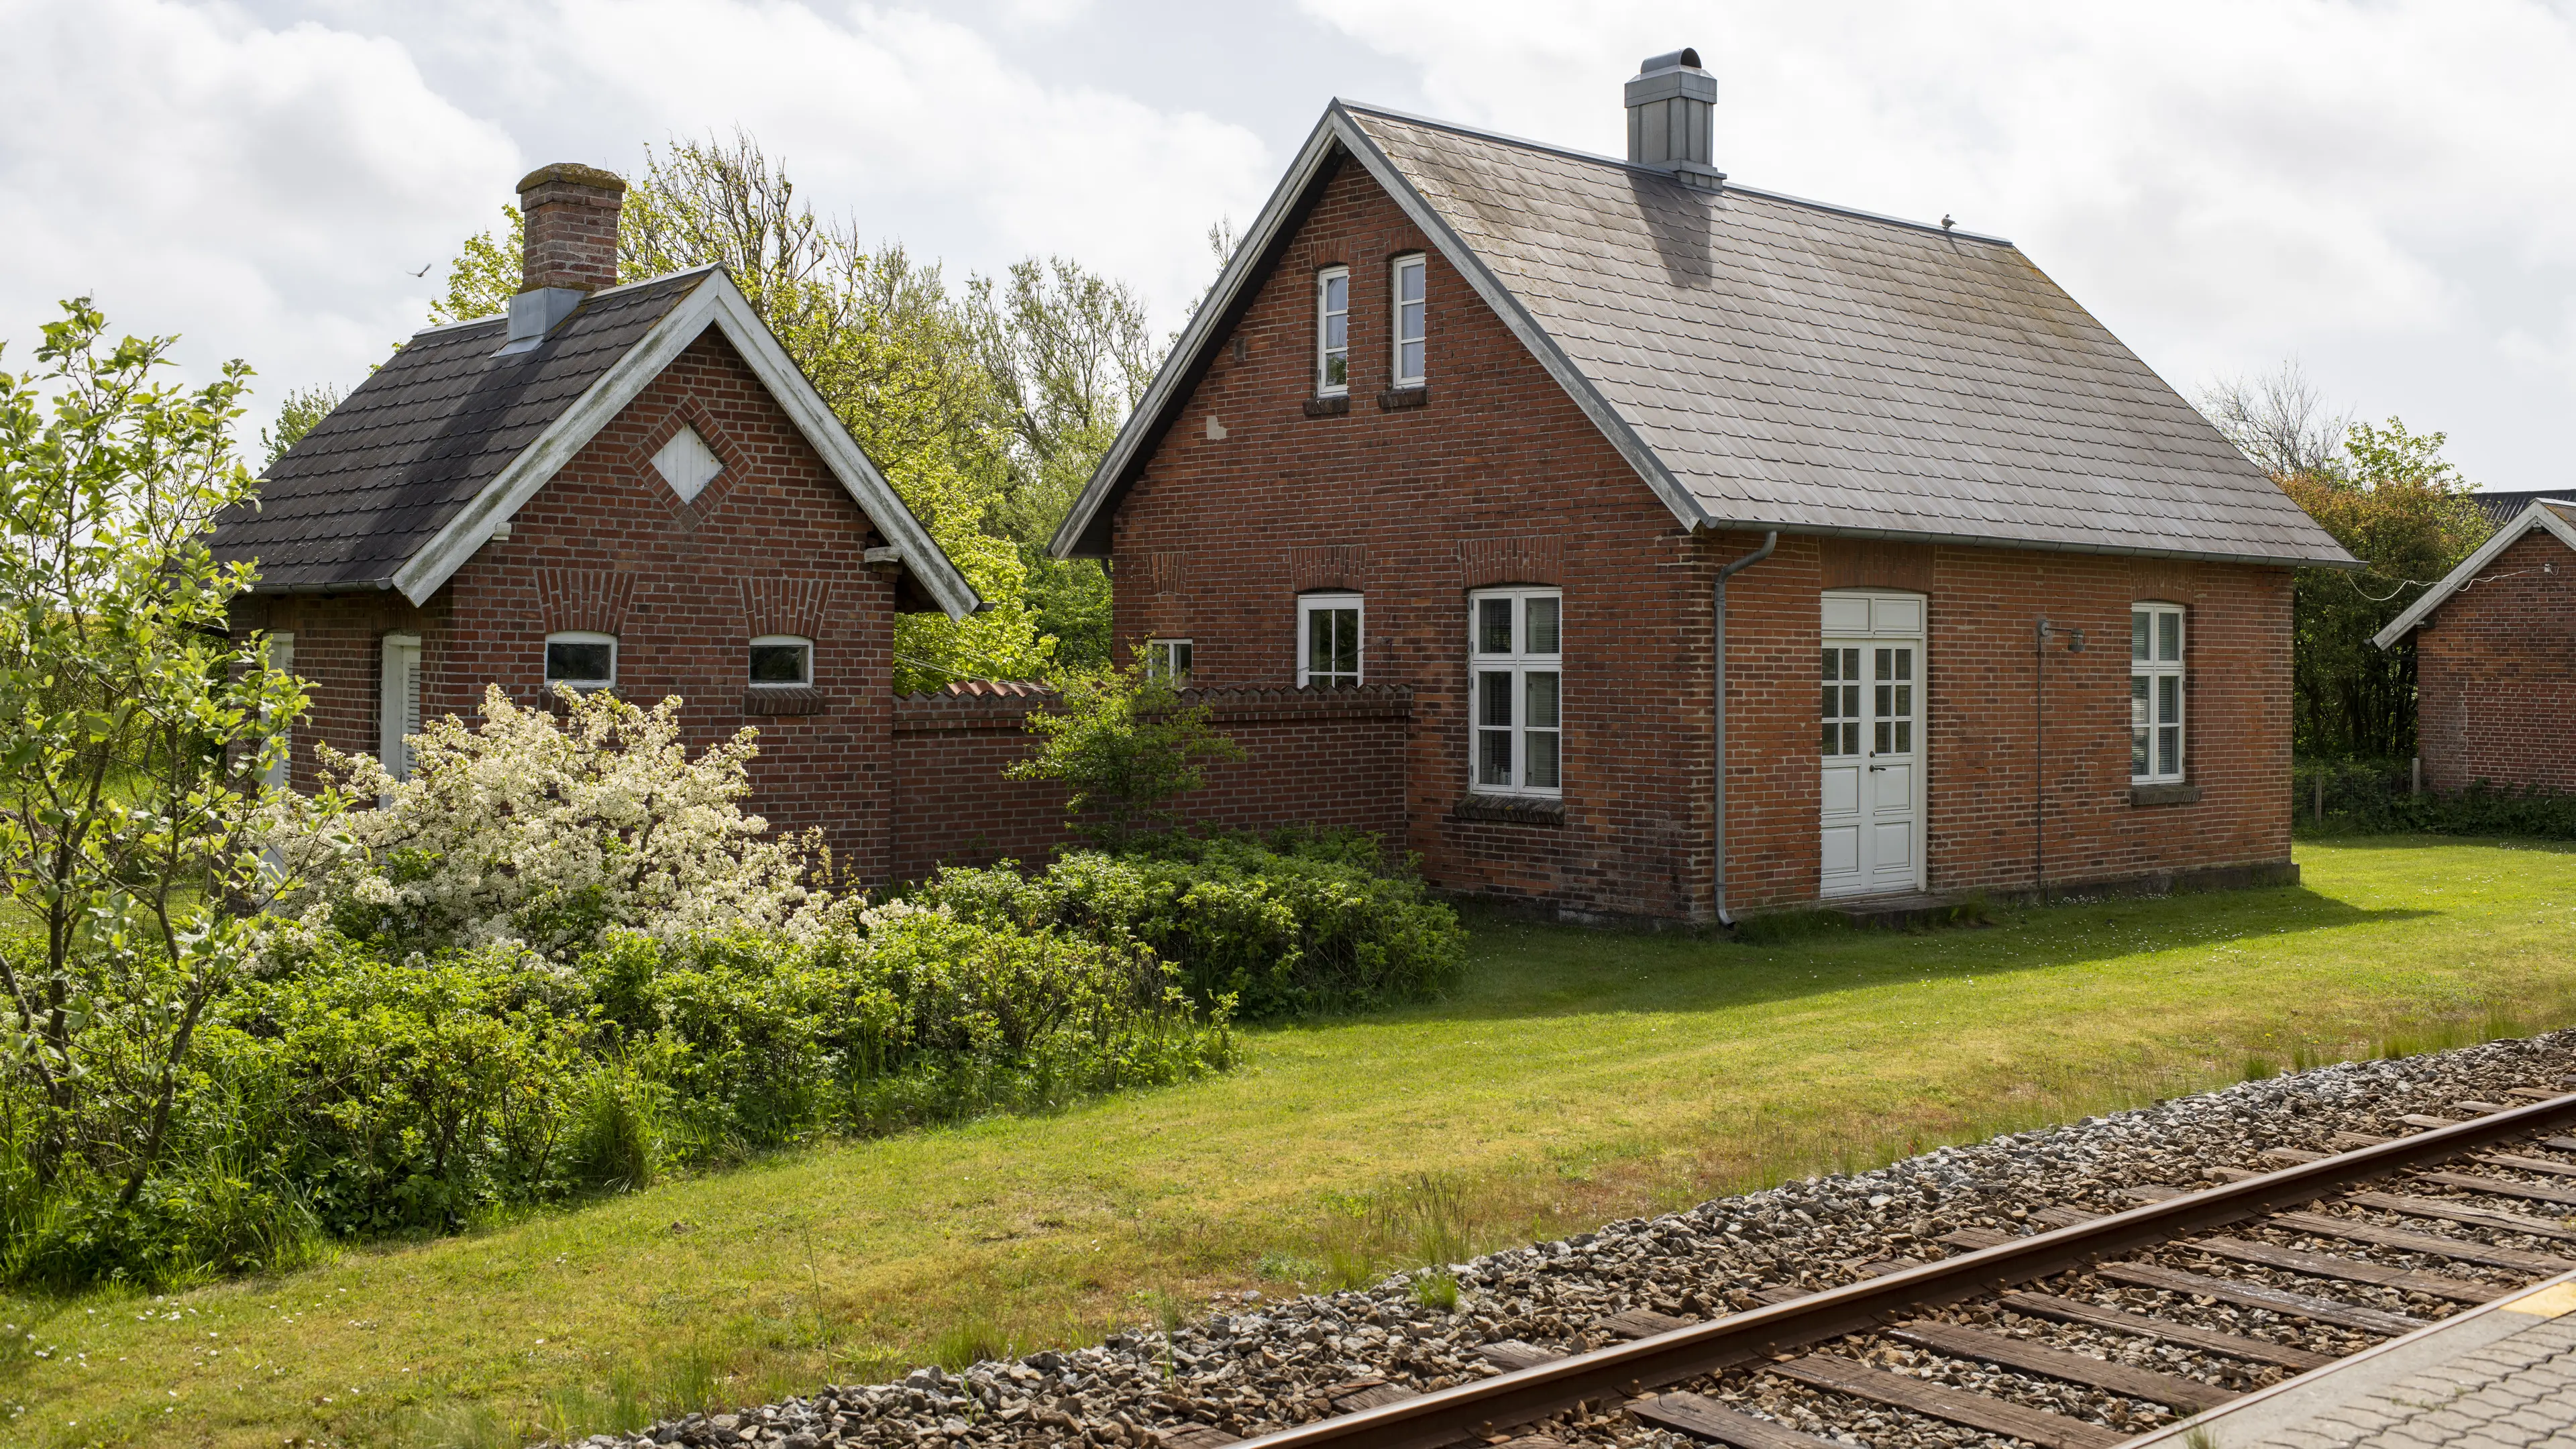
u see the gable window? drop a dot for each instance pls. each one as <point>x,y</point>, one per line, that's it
<point>2155,693</point>
<point>1333,331</point>
<point>581,661</point>
<point>1516,663</point>
<point>1169,659</point>
<point>1328,635</point>
<point>781,661</point>
<point>1409,317</point>
<point>398,705</point>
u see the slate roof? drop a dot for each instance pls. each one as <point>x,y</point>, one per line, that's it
<point>1770,362</point>
<point>421,438</point>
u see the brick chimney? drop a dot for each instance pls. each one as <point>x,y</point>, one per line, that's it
<point>1672,108</point>
<point>570,213</point>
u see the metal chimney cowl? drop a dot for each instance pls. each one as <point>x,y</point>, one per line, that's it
<point>1672,108</point>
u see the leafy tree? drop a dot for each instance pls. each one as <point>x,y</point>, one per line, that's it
<point>1128,748</point>
<point>302,408</point>
<point>1071,355</point>
<point>2398,507</point>
<point>485,275</point>
<point>132,736</point>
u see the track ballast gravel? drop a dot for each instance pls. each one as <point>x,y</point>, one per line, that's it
<point>1280,1364</point>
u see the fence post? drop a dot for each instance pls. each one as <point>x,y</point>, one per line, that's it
<point>2320,778</point>
<point>2415,776</point>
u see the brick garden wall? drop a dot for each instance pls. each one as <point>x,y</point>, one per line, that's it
<point>1312,758</point>
<point>2495,674</point>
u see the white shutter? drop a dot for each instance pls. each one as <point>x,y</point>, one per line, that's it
<point>281,657</point>
<point>398,711</point>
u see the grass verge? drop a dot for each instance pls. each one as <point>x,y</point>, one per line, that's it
<point>1578,1077</point>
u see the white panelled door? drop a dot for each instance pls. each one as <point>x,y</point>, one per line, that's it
<point>1870,737</point>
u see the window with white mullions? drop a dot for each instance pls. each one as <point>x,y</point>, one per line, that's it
<point>1333,331</point>
<point>1410,316</point>
<point>2155,693</point>
<point>1893,683</point>
<point>1328,641</point>
<point>1841,711</point>
<point>1168,659</point>
<point>1516,656</point>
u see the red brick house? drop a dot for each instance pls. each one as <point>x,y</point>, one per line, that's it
<point>2495,659</point>
<point>612,486</point>
<point>1737,551</point>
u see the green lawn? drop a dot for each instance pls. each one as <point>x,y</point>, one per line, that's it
<point>1579,1076</point>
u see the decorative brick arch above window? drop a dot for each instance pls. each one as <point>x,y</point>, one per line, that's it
<point>778,605</point>
<point>1330,566</point>
<point>583,601</point>
<point>1487,562</point>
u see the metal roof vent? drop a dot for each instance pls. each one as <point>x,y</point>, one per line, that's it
<point>1672,104</point>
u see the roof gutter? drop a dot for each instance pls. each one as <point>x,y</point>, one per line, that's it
<point>345,586</point>
<point>1717,608</point>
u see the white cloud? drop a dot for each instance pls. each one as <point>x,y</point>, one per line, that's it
<point>262,190</point>
<point>2373,187</point>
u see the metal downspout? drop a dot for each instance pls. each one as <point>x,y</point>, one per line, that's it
<point>1770,541</point>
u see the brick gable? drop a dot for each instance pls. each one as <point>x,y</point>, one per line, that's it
<point>2495,674</point>
<point>1252,497</point>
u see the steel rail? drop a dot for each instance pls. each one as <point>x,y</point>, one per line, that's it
<point>1523,1396</point>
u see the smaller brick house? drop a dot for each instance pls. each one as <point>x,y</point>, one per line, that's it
<point>1737,551</point>
<point>2495,659</point>
<point>628,487</point>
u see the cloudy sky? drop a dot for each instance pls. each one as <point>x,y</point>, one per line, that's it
<point>2385,191</point>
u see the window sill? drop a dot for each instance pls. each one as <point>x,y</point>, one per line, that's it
<point>2174,794</point>
<point>1328,407</point>
<point>1404,397</point>
<point>1511,809</point>
<point>802,699</point>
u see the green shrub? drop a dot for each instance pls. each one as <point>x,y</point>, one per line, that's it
<point>1299,924</point>
<point>350,1094</point>
<point>2370,797</point>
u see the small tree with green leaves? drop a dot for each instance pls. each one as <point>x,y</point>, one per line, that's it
<point>1128,747</point>
<point>133,735</point>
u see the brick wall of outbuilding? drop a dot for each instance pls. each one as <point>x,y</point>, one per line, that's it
<point>1251,498</point>
<point>773,545</point>
<point>2495,674</point>
<point>1310,759</point>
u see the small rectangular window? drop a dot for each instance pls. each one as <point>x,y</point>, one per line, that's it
<point>1517,682</point>
<point>2155,694</point>
<point>581,661</point>
<point>1169,659</point>
<point>1328,641</point>
<point>1333,331</point>
<point>781,661</point>
<point>1410,317</point>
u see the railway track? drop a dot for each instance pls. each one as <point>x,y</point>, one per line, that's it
<point>2348,1249</point>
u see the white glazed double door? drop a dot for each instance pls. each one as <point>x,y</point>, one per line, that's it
<point>1870,743</point>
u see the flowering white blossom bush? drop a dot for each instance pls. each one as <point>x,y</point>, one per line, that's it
<point>548,835</point>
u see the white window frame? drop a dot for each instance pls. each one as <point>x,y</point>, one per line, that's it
<point>579,636</point>
<point>1169,659</point>
<point>1325,314</point>
<point>2153,731</point>
<point>398,704</point>
<point>1308,605</point>
<point>1417,266</point>
<point>776,641</point>
<point>1517,665</point>
<point>281,766</point>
